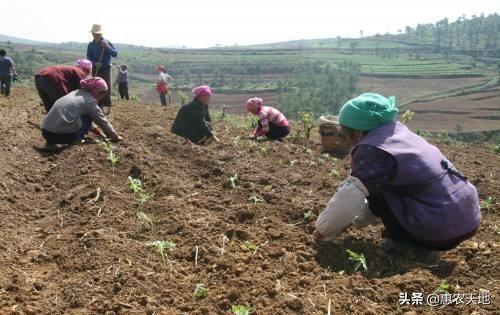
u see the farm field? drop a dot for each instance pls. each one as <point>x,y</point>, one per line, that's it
<point>403,89</point>
<point>71,241</point>
<point>474,112</point>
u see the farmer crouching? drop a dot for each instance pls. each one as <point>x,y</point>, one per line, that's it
<point>54,82</point>
<point>272,123</point>
<point>193,120</point>
<point>425,204</point>
<point>71,117</point>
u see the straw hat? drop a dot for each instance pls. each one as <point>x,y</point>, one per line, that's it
<point>96,29</point>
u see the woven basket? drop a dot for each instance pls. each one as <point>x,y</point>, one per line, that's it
<point>330,140</point>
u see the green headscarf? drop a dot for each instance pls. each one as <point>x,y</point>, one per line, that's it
<point>368,111</point>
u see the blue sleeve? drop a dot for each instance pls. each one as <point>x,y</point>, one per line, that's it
<point>89,54</point>
<point>374,167</point>
<point>112,50</point>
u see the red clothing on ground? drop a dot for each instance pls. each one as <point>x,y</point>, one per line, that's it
<point>64,78</point>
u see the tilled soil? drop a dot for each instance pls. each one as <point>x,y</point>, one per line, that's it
<point>71,241</point>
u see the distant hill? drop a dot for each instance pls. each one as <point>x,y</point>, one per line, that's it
<point>18,40</point>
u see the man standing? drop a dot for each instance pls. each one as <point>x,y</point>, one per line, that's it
<point>6,71</point>
<point>100,51</point>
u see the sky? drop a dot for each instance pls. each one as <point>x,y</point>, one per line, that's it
<point>198,24</point>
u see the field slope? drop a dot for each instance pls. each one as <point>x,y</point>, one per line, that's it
<point>71,241</point>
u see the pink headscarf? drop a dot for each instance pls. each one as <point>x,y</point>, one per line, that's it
<point>202,90</point>
<point>254,104</point>
<point>94,85</point>
<point>85,64</point>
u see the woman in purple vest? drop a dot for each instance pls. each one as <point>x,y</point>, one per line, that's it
<point>397,176</point>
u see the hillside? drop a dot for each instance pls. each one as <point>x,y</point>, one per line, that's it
<point>72,242</point>
<point>423,67</point>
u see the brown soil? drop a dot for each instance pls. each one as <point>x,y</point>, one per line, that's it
<point>405,89</point>
<point>65,249</point>
<point>474,112</point>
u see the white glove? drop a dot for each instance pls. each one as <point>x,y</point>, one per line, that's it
<point>365,218</point>
<point>347,203</point>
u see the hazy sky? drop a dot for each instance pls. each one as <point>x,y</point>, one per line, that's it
<point>197,23</point>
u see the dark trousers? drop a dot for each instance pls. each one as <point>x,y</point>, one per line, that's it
<point>105,74</point>
<point>47,92</point>
<point>378,205</point>
<point>123,90</point>
<point>69,138</point>
<point>276,132</point>
<point>5,85</point>
<point>163,98</point>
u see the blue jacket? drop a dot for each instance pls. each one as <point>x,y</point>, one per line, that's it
<point>94,52</point>
<point>5,66</point>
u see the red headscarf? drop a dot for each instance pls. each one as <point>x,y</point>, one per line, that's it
<point>94,85</point>
<point>202,90</point>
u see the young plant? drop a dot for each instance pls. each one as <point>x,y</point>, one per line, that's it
<point>233,180</point>
<point>161,246</point>
<point>241,309</point>
<point>184,97</point>
<point>135,185</point>
<point>146,219</point>
<point>308,215</point>
<point>334,173</point>
<point>292,163</point>
<point>200,292</point>
<point>307,124</point>
<point>144,197</point>
<point>255,199</point>
<point>358,259</point>
<point>496,149</point>
<point>111,157</point>
<point>443,287</point>
<point>250,246</point>
<point>487,203</point>
<point>407,116</point>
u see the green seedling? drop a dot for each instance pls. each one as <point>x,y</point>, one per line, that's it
<point>112,157</point>
<point>233,180</point>
<point>407,116</point>
<point>443,287</point>
<point>292,163</point>
<point>135,185</point>
<point>250,246</point>
<point>108,147</point>
<point>358,259</point>
<point>200,292</point>
<point>241,309</point>
<point>308,215</point>
<point>255,199</point>
<point>148,221</point>
<point>144,197</point>
<point>161,246</point>
<point>496,149</point>
<point>334,173</point>
<point>487,203</point>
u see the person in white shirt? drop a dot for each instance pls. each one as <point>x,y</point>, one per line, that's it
<point>162,84</point>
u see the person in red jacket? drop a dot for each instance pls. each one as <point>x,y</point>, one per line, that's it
<point>54,82</point>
